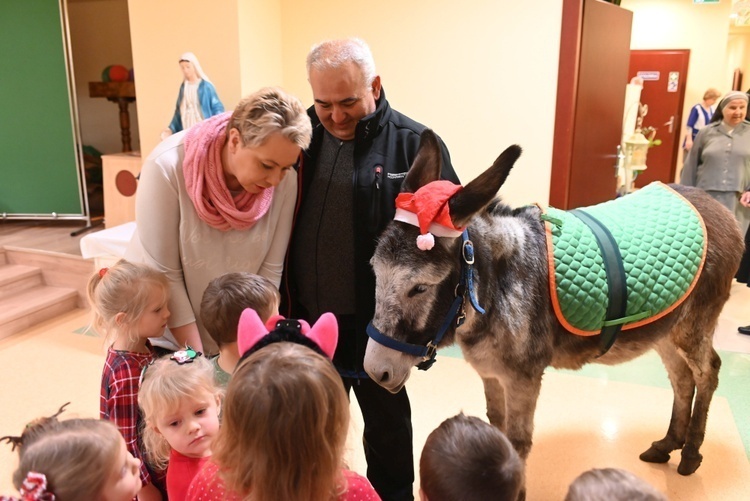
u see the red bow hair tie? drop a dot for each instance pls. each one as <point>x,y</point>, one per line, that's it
<point>33,488</point>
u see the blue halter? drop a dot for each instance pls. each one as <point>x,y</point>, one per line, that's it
<point>455,313</point>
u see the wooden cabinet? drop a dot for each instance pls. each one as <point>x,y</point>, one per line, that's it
<point>119,173</point>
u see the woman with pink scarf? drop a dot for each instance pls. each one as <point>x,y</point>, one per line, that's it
<point>219,198</point>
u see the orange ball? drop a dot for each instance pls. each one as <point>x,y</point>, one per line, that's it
<point>118,73</point>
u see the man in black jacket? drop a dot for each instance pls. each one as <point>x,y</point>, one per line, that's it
<point>348,182</point>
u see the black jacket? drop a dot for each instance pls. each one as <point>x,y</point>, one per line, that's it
<point>386,143</point>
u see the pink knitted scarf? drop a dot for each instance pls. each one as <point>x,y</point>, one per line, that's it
<point>205,183</point>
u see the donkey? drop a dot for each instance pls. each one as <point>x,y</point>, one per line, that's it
<point>519,334</point>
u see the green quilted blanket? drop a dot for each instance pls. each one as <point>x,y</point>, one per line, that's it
<point>661,240</point>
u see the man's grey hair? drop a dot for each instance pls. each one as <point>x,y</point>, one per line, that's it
<point>332,54</point>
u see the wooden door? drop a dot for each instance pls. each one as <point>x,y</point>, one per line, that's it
<point>592,75</point>
<point>664,74</point>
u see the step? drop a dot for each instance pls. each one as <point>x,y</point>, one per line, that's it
<point>33,306</point>
<point>16,277</point>
<point>59,270</point>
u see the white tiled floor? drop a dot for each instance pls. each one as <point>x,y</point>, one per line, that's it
<point>584,422</point>
<point>735,313</point>
<point>581,422</point>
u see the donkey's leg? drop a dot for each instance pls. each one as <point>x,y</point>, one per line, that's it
<point>521,396</point>
<point>494,393</point>
<point>683,387</point>
<point>705,364</point>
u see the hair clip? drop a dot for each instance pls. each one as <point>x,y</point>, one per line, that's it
<point>17,442</point>
<point>48,418</point>
<point>143,371</point>
<point>185,356</point>
<point>103,272</point>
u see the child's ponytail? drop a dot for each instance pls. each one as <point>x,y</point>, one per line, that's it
<point>122,289</point>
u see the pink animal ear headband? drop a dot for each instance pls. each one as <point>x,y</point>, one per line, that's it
<point>252,335</point>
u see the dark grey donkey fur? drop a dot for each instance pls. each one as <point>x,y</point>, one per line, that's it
<point>519,336</point>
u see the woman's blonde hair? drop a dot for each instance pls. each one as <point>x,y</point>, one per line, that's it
<point>165,384</point>
<point>123,288</point>
<point>76,455</point>
<point>267,111</point>
<point>711,94</point>
<point>284,426</point>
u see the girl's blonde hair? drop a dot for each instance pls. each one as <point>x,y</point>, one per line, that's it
<point>284,426</point>
<point>123,288</point>
<point>165,385</point>
<point>267,111</point>
<point>76,455</point>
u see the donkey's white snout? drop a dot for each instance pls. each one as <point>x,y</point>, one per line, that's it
<point>387,367</point>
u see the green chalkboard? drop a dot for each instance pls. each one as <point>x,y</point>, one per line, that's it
<point>38,168</point>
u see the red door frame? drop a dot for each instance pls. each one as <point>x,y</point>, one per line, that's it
<point>580,170</point>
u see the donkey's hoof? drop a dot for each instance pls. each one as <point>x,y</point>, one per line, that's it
<point>654,455</point>
<point>689,463</point>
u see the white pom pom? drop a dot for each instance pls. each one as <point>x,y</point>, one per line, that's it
<point>426,241</point>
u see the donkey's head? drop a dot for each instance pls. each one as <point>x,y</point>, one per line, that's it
<point>415,288</point>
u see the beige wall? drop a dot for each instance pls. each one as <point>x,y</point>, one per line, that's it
<point>238,43</point>
<point>100,36</point>
<point>461,69</point>
<point>160,32</point>
<point>681,24</point>
<point>482,74</point>
<point>260,36</point>
<point>738,53</point>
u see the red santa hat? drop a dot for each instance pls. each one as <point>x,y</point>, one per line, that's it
<point>427,209</point>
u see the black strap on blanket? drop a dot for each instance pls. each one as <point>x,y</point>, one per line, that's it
<point>616,280</point>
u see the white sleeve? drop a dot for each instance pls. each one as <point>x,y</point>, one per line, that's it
<point>157,215</point>
<point>286,195</point>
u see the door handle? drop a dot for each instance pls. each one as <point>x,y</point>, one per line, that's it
<point>670,123</point>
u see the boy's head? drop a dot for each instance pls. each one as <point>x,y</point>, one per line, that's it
<point>468,459</point>
<point>228,295</point>
<point>613,484</point>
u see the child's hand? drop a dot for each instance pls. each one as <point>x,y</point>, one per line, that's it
<point>149,493</point>
<point>188,335</point>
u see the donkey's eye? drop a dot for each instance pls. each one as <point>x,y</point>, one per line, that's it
<point>417,289</point>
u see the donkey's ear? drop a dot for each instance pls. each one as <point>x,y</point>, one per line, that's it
<point>477,194</point>
<point>427,164</point>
